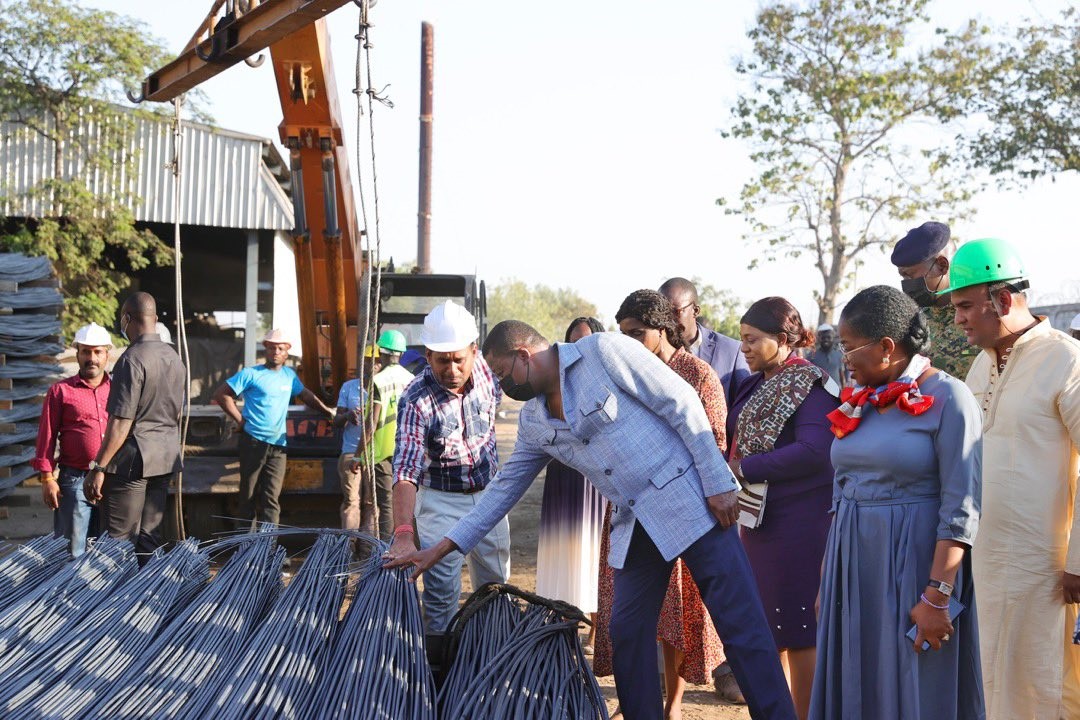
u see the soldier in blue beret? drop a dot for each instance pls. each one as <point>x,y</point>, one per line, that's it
<point>922,258</point>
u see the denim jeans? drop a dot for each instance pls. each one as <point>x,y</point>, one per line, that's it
<point>75,519</point>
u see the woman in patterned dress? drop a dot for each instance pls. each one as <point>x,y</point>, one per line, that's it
<point>689,641</point>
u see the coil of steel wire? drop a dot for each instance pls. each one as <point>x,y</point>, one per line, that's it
<point>525,663</point>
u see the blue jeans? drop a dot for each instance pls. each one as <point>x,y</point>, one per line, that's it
<point>75,519</point>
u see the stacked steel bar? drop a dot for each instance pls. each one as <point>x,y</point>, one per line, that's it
<point>170,678</point>
<point>378,665</point>
<point>39,619</point>
<point>275,675</point>
<point>29,340</point>
<point>29,565</point>
<point>64,683</point>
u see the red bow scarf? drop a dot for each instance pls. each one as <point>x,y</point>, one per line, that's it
<point>904,392</point>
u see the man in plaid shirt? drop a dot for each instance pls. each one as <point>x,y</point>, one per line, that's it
<point>445,457</point>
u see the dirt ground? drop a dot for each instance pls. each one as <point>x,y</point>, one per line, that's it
<point>28,519</point>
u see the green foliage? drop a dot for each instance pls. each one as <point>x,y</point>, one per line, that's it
<point>837,116</point>
<point>547,309</point>
<point>1032,102</point>
<point>720,309</point>
<point>62,69</point>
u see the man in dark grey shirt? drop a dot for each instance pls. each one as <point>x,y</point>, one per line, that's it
<point>141,449</point>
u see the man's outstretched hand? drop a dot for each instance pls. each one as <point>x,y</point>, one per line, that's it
<point>725,507</point>
<point>422,560</point>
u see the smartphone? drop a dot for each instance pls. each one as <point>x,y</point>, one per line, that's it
<point>955,608</point>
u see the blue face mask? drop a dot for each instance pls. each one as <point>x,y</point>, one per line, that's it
<point>515,390</point>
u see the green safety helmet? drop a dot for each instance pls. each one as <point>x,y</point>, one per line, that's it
<point>392,340</point>
<point>981,262</point>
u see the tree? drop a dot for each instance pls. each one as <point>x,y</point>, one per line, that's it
<point>63,68</point>
<point>836,118</point>
<point>547,309</point>
<point>1032,103</point>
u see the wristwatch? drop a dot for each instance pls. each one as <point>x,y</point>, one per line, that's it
<point>94,467</point>
<point>942,587</point>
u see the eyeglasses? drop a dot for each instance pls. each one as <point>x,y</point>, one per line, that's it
<point>679,310</point>
<point>847,353</point>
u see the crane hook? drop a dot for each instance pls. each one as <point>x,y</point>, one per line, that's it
<point>207,56</point>
<point>257,62</point>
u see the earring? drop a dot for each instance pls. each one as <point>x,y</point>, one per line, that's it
<point>886,360</point>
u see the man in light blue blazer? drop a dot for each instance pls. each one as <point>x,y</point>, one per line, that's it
<point>720,351</point>
<point>612,410</point>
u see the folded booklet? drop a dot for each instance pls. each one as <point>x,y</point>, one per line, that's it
<point>752,504</point>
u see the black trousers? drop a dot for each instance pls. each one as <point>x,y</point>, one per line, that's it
<point>262,473</point>
<point>132,508</point>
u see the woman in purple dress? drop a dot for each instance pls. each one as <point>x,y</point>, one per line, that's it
<point>779,434</point>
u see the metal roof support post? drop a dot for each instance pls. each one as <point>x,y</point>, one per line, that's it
<point>251,298</point>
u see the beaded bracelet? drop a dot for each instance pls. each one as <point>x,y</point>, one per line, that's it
<point>922,597</point>
<point>402,528</point>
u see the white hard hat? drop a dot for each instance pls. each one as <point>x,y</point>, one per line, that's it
<point>93,335</point>
<point>824,327</point>
<point>163,331</point>
<point>1075,324</point>
<point>448,328</point>
<point>277,335</point>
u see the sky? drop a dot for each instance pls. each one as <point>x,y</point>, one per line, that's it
<point>579,146</point>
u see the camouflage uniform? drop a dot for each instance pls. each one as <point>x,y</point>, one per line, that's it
<point>949,348</point>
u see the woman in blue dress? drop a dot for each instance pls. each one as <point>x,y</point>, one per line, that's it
<point>905,512</point>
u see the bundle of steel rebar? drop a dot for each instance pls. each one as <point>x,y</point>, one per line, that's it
<point>539,671</point>
<point>276,673</point>
<point>377,666</point>
<point>38,619</point>
<point>61,685</point>
<point>29,565</point>
<point>170,678</point>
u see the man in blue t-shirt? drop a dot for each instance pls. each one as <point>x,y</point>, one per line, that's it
<point>267,390</point>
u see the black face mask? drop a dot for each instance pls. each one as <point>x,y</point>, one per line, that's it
<point>517,391</point>
<point>916,289</point>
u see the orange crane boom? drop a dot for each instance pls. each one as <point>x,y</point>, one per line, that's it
<point>326,237</point>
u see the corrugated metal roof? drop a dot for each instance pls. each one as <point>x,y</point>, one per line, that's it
<point>228,179</point>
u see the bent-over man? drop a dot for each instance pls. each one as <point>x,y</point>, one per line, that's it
<point>608,408</point>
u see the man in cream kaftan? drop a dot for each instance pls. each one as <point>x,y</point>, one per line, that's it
<point>1026,558</point>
